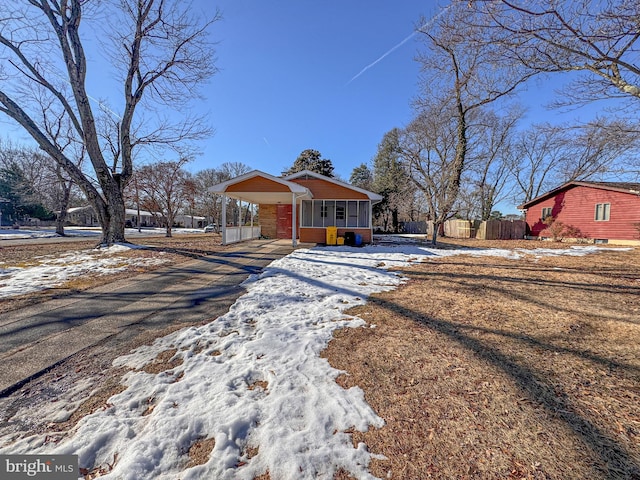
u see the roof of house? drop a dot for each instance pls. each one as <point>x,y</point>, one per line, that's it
<point>624,187</point>
<point>281,197</point>
<point>261,197</point>
<point>308,173</point>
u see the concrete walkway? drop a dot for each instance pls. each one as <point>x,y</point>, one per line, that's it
<point>35,338</point>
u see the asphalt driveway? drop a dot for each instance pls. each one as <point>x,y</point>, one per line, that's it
<point>36,338</point>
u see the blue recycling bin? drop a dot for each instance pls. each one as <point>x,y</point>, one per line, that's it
<point>358,241</point>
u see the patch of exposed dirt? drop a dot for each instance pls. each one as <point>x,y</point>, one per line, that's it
<point>164,361</point>
<point>199,452</point>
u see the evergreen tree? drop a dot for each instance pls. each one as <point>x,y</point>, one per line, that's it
<point>311,160</point>
<point>18,196</point>
<point>362,177</point>
<point>390,180</point>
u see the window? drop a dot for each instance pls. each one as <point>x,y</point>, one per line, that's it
<point>363,214</point>
<point>307,212</point>
<point>341,214</point>
<point>602,212</point>
<point>338,213</point>
<point>546,212</point>
<point>317,215</point>
<point>352,211</point>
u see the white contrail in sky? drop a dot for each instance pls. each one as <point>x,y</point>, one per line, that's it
<point>388,52</point>
<point>382,57</point>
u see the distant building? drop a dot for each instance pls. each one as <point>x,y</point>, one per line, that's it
<point>86,217</point>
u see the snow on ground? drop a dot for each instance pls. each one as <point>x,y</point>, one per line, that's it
<point>253,380</point>
<point>53,270</point>
<point>48,232</point>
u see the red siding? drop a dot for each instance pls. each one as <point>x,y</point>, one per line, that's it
<point>576,206</point>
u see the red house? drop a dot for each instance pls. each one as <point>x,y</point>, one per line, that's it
<point>606,212</point>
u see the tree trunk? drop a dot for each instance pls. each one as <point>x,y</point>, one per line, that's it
<point>64,204</point>
<point>113,216</point>
<point>434,237</point>
<point>117,220</point>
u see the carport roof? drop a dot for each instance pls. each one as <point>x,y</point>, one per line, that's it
<point>281,193</point>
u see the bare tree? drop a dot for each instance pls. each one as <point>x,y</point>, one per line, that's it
<point>599,149</point>
<point>598,39</point>
<point>47,184</point>
<point>162,54</point>
<point>459,78</point>
<point>547,156</point>
<point>539,151</point>
<point>230,170</point>
<point>206,203</point>
<point>59,130</point>
<point>491,158</point>
<point>428,146</point>
<point>162,190</point>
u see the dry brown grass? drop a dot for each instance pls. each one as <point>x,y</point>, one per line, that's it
<point>199,452</point>
<point>492,368</point>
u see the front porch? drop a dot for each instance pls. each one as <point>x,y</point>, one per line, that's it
<point>278,202</point>
<point>300,207</point>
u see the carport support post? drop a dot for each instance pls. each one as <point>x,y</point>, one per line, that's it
<point>224,219</point>
<point>294,242</point>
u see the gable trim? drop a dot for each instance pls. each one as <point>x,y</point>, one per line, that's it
<point>631,189</point>
<point>293,187</point>
<point>374,197</point>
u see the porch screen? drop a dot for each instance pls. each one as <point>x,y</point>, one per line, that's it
<point>335,213</point>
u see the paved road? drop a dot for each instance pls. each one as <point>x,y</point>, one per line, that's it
<point>132,235</point>
<point>36,338</point>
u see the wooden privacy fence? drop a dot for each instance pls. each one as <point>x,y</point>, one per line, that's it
<point>459,229</point>
<point>502,230</point>
<point>488,230</point>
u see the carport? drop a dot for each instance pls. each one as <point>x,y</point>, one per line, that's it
<point>259,188</point>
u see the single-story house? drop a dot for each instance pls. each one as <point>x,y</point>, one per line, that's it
<point>82,216</point>
<point>86,217</point>
<point>299,206</point>
<point>606,212</point>
<point>189,221</point>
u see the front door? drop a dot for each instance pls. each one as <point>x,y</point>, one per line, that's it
<point>283,223</point>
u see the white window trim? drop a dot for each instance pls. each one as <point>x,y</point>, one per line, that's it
<point>605,209</point>
<point>323,212</point>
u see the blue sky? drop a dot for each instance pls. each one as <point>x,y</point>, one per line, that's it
<point>293,75</point>
<point>291,78</point>
<point>286,80</point>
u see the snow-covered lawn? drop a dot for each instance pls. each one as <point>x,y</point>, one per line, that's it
<point>48,232</point>
<point>50,271</point>
<point>252,380</point>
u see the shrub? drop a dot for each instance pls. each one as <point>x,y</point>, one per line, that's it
<point>558,231</point>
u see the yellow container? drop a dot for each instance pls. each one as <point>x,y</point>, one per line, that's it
<point>332,235</point>
<point>340,240</point>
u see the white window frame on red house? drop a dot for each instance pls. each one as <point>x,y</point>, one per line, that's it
<point>547,211</point>
<point>603,212</point>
